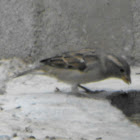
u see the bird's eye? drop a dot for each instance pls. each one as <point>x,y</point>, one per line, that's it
<point>122,70</point>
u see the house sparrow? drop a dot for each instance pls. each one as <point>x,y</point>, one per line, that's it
<point>85,66</point>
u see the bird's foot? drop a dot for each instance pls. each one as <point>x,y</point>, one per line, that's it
<point>90,91</point>
<point>57,89</point>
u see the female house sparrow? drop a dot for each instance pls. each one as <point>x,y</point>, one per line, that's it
<point>85,66</point>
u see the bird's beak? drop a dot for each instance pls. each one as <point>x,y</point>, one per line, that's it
<point>126,79</point>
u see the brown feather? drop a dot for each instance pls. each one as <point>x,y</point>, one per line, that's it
<point>74,60</point>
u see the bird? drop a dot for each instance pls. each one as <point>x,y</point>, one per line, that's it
<point>84,66</point>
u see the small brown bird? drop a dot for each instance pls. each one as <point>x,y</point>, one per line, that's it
<point>85,66</point>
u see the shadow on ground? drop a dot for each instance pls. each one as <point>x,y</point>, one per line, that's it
<point>129,103</point>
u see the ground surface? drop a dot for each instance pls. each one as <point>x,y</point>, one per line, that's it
<point>31,109</point>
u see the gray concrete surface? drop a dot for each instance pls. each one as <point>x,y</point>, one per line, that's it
<point>36,29</point>
<point>31,109</point>
<point>136,29</point>
<point>16,28</point>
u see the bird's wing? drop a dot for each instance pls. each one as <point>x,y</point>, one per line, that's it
<point>79,60</point>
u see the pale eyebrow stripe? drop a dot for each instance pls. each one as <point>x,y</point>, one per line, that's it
<point>115,60</point>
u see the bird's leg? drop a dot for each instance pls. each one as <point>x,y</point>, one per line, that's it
<point>88,90</point>
<point>75,89</point>
<point>76,92</point>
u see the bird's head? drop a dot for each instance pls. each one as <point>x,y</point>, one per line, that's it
<point>118,67</point>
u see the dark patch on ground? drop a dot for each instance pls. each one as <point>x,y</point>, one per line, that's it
<point>129,103</point>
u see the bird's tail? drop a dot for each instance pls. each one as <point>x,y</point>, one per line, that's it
<point>31,70</point>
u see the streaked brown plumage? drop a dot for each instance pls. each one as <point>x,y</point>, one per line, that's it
<point>75,60</point>
<point>85,66</point>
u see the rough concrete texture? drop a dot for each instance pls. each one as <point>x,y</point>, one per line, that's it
<point>42,28</point>
<point>34,29</point>
<point>31,109</point>
<point>136,30</point>
<point>15,28</point>
<point>71,25</point>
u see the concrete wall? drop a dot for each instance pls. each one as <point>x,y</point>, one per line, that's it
<point>16,28</point>
<point>136,30</point>
<point>34,29</point>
